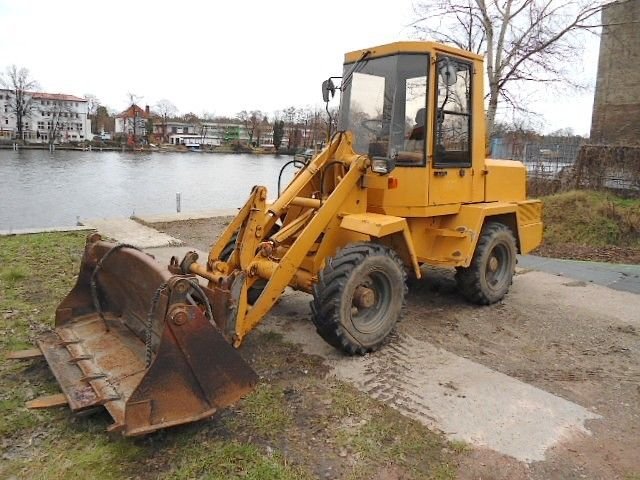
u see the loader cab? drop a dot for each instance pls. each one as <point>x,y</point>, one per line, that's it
<point>418,105</point>
<point>384,104</point>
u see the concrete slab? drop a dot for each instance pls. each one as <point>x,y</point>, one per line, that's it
<point>125,230</point>
<point>617,276</point>
<point>163,254</point>
<point>31,231</point>
<point>465,400</point>
<point>177,217</point>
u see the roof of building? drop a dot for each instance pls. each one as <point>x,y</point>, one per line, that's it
<point>57,96</point>
<point>50,96</point>
<point>133,111</point>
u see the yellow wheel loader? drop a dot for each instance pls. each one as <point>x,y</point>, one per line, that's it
<point>403,182</point>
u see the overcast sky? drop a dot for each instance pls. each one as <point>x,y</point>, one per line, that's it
<point>218,56</point>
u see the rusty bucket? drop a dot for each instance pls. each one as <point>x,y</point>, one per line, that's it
<point>138,341</point>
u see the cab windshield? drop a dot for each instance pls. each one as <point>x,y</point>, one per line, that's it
<point>384,103</point>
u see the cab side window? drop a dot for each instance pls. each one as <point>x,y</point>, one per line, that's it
<point>415,124</point>
<point>452,145</point>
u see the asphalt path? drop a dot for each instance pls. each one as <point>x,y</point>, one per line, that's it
<point>617,276</point>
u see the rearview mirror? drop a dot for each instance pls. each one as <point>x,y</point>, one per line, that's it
<point>328,88</point>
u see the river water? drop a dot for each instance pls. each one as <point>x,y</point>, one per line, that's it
<point>39,189</point>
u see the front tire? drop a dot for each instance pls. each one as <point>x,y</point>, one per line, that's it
<point>358,297</point>
<point>490,274</point>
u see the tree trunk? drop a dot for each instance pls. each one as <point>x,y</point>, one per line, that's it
<point>491,114</point>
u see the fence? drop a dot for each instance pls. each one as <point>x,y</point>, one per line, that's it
<point>560,164</point>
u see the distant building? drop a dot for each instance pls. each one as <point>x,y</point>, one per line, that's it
<point>171,127</point>
<point>55,117</point>
<point>210,133</point>
<point>616,106</point>
<point>133,121</point>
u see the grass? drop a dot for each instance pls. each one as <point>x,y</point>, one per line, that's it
<point>379,434</point>
<point>77,452</point>
<point>593,219</point>
<point>36,272</point>
<point>223,460</point>
<point>459,446</point>
<point>12,275</point>
<point>263,412</point>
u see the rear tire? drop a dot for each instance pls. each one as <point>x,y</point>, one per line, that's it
<point>358,297</point>
<point>490,274</point>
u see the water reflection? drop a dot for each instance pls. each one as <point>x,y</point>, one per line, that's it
<point>39,189</point>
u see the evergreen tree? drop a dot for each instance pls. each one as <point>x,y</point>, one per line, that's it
<point>278,133</point>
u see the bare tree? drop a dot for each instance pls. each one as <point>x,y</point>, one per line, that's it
<point>330,121</point>
<point>20,103</point>
<point>137,125</point>
<point>262,127</point>
<point>522,40</point>
<point>243,117</point>
<point>253,124</point>
<point>59,114</point>
<point>165,110</point>
<point>93,103</point>
<point>293,134</point>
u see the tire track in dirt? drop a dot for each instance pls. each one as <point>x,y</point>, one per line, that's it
<point>463,399</point>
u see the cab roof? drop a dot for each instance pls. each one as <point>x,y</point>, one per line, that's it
<point>410,47</point>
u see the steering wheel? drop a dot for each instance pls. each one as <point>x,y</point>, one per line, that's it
<point>367,125</point>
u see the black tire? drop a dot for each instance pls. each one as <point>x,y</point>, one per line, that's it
<point>256,290</point>
<point>490,274</point>
<point>380,274</point>
<point>228,249</point>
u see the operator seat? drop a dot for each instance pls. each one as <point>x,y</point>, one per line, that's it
<point>414,144</point>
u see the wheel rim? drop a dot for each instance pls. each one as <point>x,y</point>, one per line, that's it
<point>370,302</point>
<point>498,266</point>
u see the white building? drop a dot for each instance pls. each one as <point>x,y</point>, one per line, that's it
<point>57,116</point>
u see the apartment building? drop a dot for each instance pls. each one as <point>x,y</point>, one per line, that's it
<point>50,117</point>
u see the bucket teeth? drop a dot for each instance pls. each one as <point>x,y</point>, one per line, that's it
<point>77,352</point>
<point>104,390</point>
<point>67,336</point>
<point>99,351</point>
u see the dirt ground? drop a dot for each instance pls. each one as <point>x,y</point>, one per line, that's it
<point>546,333</point>
<point>610,254</point>
<point>562,336</point>
<point>200,233</point>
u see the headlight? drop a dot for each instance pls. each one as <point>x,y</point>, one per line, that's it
<point>382,165</point>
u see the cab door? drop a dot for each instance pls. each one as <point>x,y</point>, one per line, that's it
<point>450,162</point>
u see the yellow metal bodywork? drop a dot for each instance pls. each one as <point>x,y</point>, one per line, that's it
<point>428,215</point>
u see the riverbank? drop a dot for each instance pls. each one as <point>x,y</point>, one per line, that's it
<point>96,147</point>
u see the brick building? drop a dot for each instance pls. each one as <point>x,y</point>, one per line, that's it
<point>616,108</point>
